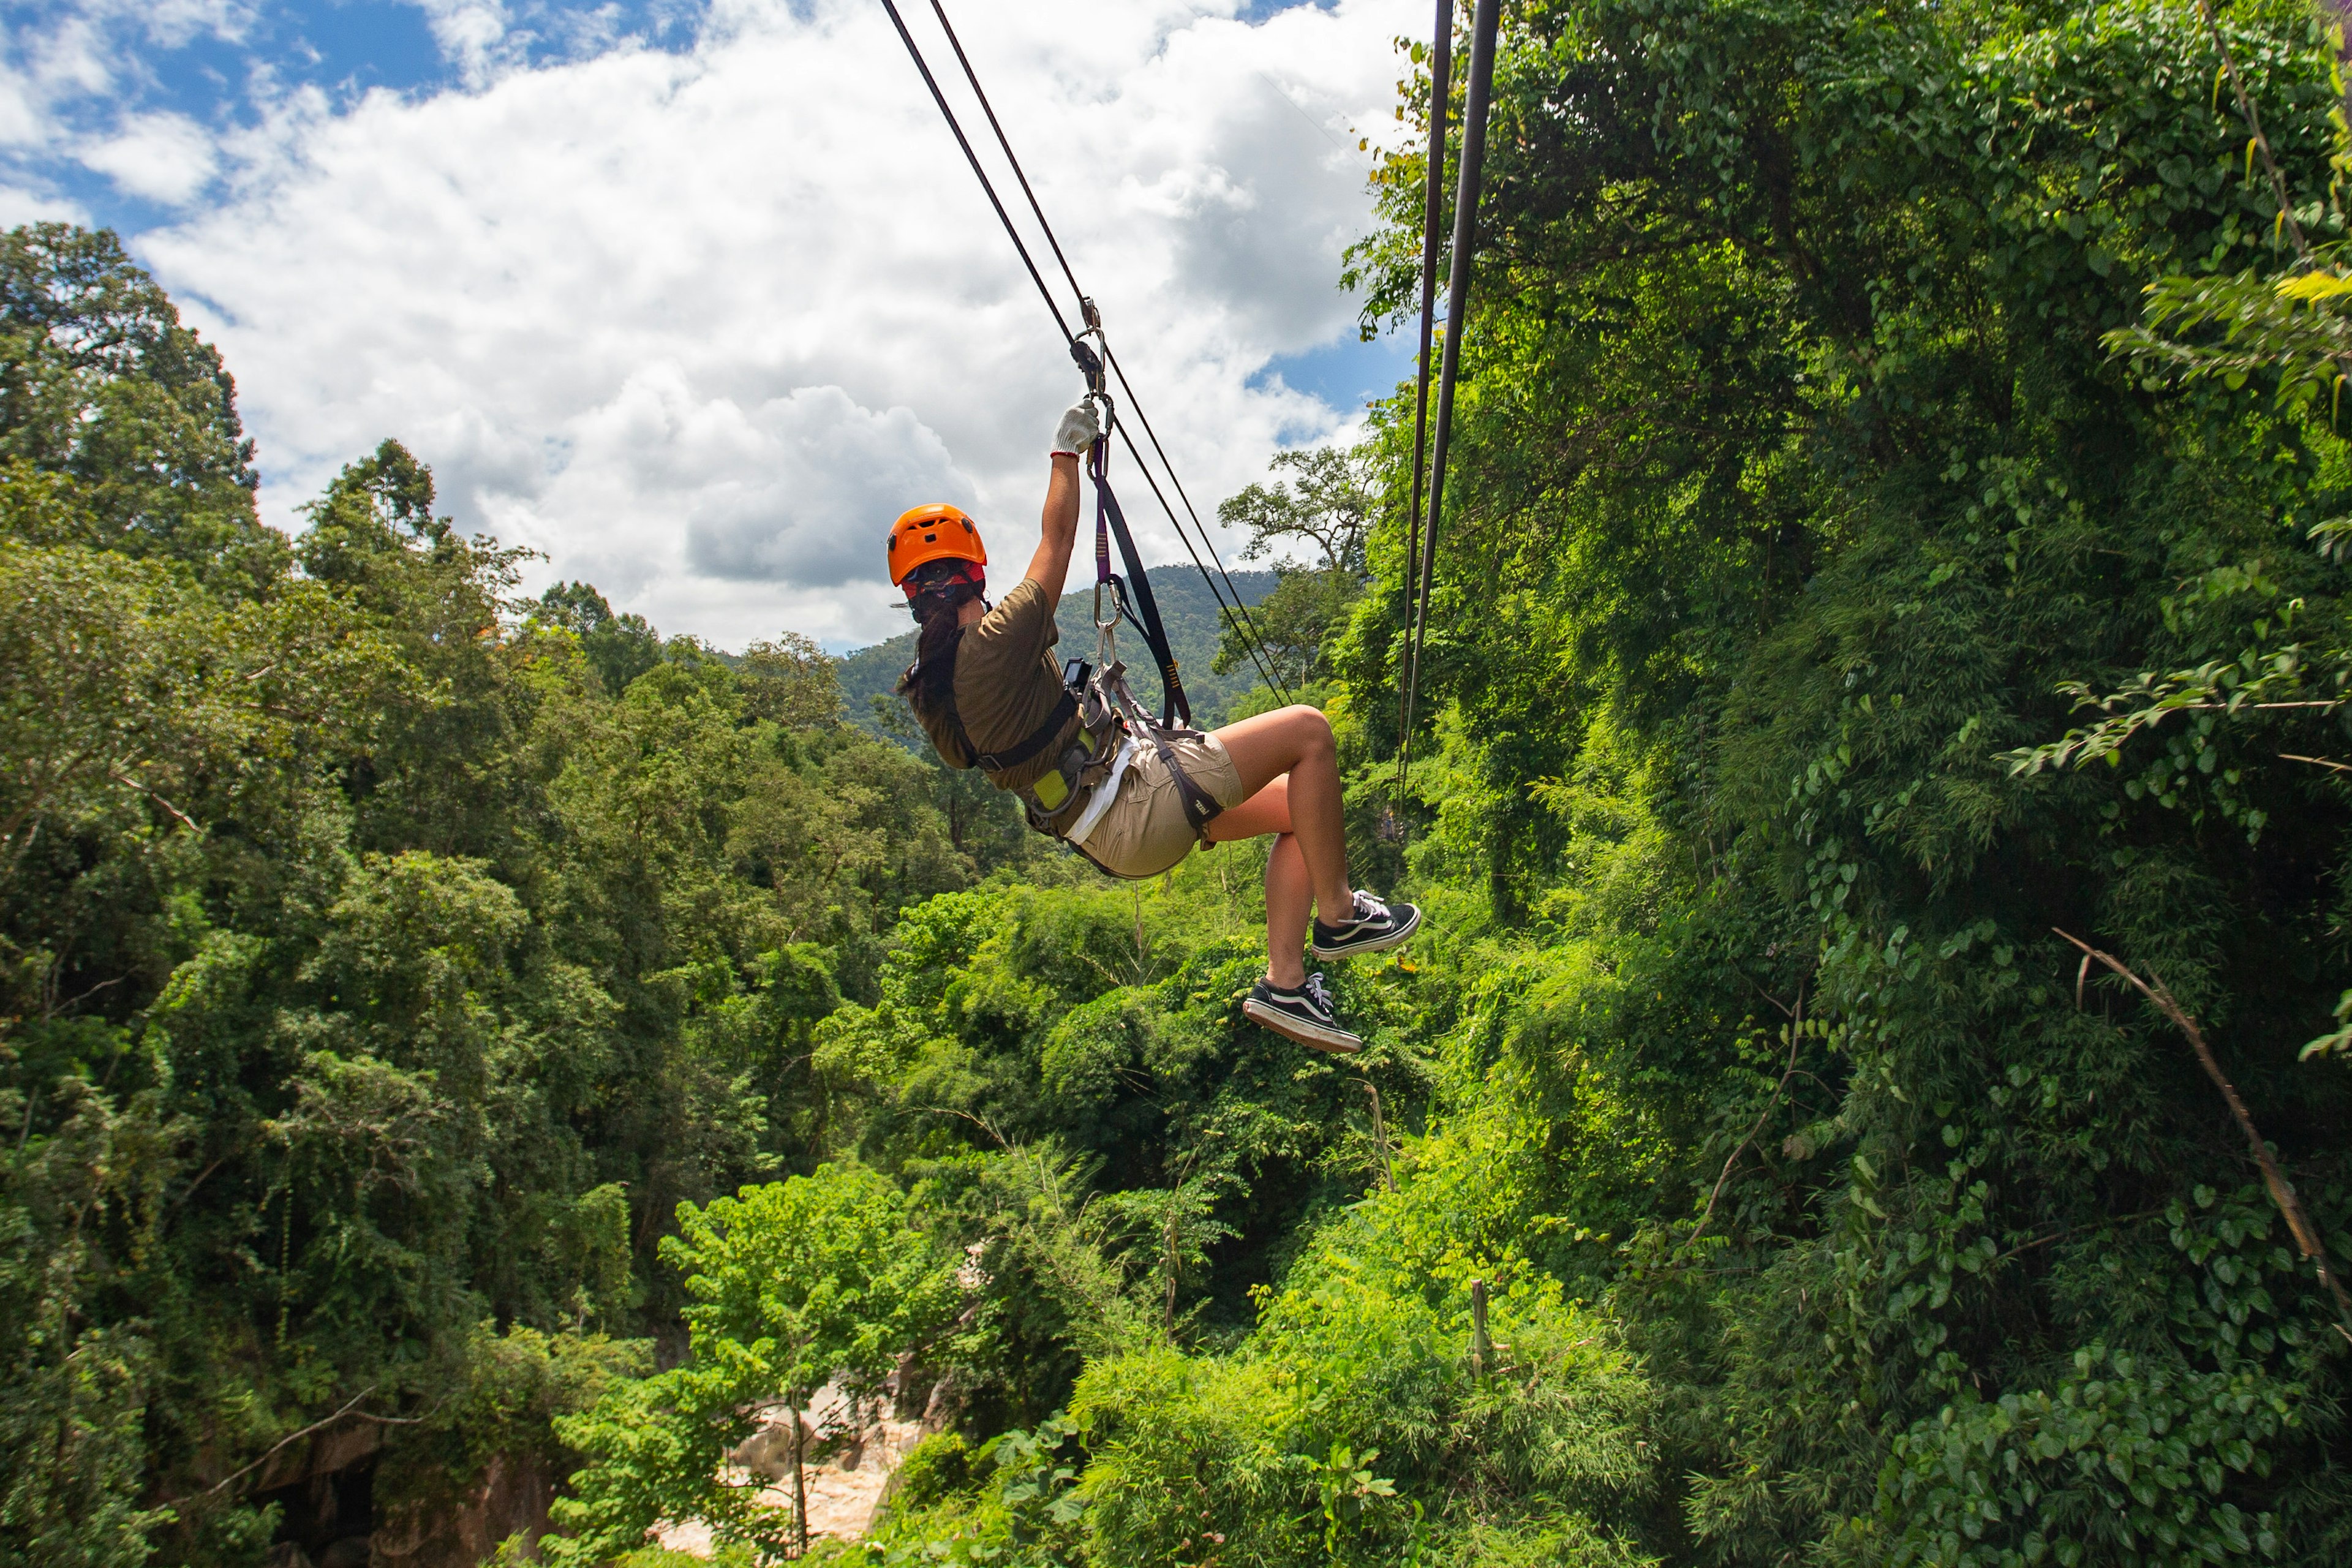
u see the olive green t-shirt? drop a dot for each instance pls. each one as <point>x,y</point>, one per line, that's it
<point>1006,684</point>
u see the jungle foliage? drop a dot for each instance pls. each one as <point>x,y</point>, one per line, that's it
<point>492,1018</point>
<point>385,958</point>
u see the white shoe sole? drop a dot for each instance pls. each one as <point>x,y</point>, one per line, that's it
<point>1322,1037</point>
<point>1397,938</point>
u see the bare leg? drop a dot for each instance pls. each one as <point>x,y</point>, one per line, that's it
<point>1289,895</point>
<point>1289,902</point>
<point>1308,856</point>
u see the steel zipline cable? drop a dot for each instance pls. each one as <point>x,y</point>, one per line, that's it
<point>1457,309</point>
<point>1433,219</point>
<point>1237,613</point>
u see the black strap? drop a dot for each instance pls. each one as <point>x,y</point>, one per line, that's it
<point>1036,741</point>
<point>1175,708</point>
<point>1201,807</point>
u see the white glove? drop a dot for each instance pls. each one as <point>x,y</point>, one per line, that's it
<point>1079,431</point>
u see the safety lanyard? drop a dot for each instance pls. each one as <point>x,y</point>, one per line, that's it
<point>1144,612</point>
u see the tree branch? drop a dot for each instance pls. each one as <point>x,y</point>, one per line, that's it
<point>2255,124</point>
<point>271,1452</point>
<point>1796,1040</point>
<point>2283,1194</point>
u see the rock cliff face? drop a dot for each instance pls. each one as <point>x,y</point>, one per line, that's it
<point>850,1452</point>
<point>511,1497</point>
<point>332,1515</point>
<point>324,1489</point>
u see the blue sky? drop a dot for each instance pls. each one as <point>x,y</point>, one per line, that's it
<point>222,62</point>
<point>683,293</point>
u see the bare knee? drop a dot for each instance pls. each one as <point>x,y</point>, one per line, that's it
<point>1310,730</point>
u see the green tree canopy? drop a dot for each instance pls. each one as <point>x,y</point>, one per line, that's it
<point>131,414</point>
<point>790,1286</point>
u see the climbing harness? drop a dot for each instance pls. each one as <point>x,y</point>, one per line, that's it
<point>1109,676</point>
<point>1105,703</point>
<point>1228,596</point>
<point>1096,693</point>
<point>1457,306</point>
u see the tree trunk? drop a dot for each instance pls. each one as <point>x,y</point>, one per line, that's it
<point>800,1484</point>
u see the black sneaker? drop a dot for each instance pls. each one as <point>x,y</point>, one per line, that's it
<point>1376,928</point>
<point>1303,1015</point>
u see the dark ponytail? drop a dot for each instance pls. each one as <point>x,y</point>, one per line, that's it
<point>929,682</point>
<point>941,590</point>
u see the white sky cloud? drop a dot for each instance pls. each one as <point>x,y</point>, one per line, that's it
<point>699,325</point>
<point>164,157</point>
<point>19,205</point>
<point>59,54</point>
<point>21,121</point>
<point>173,21</point>
<point>471,33</point>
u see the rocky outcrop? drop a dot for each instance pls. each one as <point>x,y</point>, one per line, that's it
<point>511,1497</point>
<point>852,1449</point>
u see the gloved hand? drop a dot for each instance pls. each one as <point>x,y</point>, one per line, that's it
<point>1079,431</point>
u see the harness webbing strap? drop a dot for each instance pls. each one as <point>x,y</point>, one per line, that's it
<point>1036,741</point>
<point>1201,808</point>
<point>1112,524</point>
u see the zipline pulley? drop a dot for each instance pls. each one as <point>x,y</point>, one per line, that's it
<point>1089,363</point>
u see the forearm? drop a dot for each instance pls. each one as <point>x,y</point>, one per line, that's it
<point>1059,529</point>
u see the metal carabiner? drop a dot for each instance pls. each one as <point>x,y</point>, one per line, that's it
<point>1090,360</point>
<point>1107,630</point>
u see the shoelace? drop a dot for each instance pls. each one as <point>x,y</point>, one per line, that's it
<point>1316,995</point>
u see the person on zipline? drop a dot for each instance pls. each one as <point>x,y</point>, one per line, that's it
<point>986,690</point>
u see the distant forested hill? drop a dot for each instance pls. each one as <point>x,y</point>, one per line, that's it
<point>1185,605</point>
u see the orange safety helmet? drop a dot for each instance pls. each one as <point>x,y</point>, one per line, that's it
<point>936,532</point>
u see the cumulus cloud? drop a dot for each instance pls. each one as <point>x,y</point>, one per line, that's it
<point>62,60</point>
<point>164,157</point>
<point>471,34</point>
<point>19,205</point>
<point>696,325</point>
<point>772,487</point>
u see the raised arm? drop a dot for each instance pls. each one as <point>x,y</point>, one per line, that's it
<point>1051,564</point>
<point>1059,526</point>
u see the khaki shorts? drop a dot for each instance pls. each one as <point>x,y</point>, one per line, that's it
<point>1144,832</point>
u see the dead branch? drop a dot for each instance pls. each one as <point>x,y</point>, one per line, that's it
<point>271,1452</point>
<point>2283,1194</point>
<point>182,818</point>
<point>1796,1027</point>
